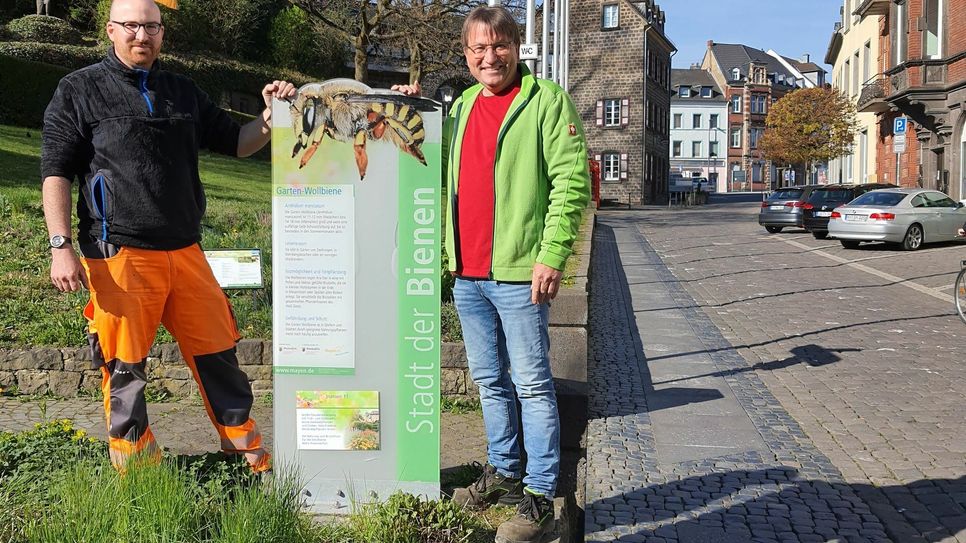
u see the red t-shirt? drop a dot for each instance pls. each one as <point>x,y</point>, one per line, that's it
<point>476,202</point>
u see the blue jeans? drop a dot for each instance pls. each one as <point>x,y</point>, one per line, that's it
<point>508,347</point>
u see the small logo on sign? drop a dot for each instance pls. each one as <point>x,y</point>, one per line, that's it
<point>573,129</point>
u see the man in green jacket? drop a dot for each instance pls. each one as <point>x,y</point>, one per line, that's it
<point>518,184</point>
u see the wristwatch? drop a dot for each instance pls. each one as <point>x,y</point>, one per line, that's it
<point>58,241</point>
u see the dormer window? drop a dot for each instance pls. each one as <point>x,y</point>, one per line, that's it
<point>735,74</point>
<point>684,91</point>
<point>705,92</point>
<point>610,16</point>
<point>781,78</point>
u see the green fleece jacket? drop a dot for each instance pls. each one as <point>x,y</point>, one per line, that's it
<point>541,181</point>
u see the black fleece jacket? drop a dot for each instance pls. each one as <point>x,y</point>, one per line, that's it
<point>131,137</point>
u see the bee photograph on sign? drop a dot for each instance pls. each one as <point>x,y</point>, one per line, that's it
<point>348,111</point>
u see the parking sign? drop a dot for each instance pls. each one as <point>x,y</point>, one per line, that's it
<point>899,126</point>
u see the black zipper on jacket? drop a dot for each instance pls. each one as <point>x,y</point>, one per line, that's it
<point>144,90</point>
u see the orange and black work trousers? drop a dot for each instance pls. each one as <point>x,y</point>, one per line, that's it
<point>133,291</point>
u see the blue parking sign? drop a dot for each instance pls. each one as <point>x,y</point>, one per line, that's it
<point>899,127</point>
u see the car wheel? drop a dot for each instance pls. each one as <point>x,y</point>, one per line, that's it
<point>913,239</point>
<point>850,243</point>
<point>819,234</point>
<point>774,229</point>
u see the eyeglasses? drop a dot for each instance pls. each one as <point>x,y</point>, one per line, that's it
<point>151,29</point>
<point>499,48</point>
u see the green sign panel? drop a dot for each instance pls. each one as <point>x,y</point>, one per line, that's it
<point>355,286</point>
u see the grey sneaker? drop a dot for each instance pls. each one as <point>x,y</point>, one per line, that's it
<point>533,521</point>
<point>491,488</point>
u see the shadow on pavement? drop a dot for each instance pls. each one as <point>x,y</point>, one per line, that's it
<point>777,504</point>
<point>746,498</point>
<point>811,355</point>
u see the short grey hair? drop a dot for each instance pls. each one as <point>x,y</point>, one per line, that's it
<point>495,18</point>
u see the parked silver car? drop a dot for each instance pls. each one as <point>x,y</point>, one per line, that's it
<point>907,217</point>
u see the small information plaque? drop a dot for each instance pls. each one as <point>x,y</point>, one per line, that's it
<point>236,268</point>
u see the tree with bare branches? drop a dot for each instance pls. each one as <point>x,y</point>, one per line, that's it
<point>361,23</point>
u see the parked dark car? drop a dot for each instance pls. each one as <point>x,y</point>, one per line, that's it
<point>784,208</point>
<point>818,208</point>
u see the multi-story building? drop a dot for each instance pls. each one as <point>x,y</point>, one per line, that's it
<point>853,53</point>
<point>620,74</point>
<point>922,77</point>
<point>752,80</point>
<point>698,127</point>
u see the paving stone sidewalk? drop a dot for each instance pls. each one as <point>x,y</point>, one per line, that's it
<point>647,477</point>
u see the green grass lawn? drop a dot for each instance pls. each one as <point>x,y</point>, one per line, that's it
<point>239,215</point>
<point>32,312</point>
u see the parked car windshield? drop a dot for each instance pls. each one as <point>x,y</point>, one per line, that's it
<point>876,198</point>
<point>786,194</point>
<point>840,195</point>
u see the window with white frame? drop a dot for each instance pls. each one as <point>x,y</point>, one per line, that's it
<point>706,92</point>
<point>611,167</point>
<point>758,103</point>
<point>866,61</point>
<point>677,120</point>
<point>610,16</point>
<point>684,91</point>
<point>735,137</point>
<point>846,73</point>
<point>696,120</point>
<point>713,120</point>
<point>695,149</point>
<point>899,36</point>
<point>712,148</point>
<point>755,135</point>
<point>612,112</point>
<point>676,148</point>
<point>735,74</point>
<point>736,103</point>
<point>933,33</point>
<point>855,73</point>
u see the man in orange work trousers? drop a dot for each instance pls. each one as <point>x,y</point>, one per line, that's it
<point>130,132</point>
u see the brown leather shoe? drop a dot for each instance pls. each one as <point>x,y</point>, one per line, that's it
<point>491,488</point>
<point>533,521</point>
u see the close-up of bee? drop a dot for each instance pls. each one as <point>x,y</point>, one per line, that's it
<point>352,112</point>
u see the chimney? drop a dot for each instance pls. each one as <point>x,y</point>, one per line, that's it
<point>805,57</point>
<point>695,66</point>
<point>710,43</point>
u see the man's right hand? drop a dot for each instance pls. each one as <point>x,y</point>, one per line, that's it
<point>66,272</point>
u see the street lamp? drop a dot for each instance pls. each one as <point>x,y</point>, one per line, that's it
<point>446,92</point>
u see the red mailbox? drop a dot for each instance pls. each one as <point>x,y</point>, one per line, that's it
<point>595,182</point>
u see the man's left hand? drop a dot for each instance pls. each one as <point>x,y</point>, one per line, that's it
<point>545,283</point>
<point>277,89</point>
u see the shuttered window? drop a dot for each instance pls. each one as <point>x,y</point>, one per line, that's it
<point>613,112</point>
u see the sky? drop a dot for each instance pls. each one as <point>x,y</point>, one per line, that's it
<point>790,27</point>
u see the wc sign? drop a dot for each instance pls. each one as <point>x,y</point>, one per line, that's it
<point>529,51</point>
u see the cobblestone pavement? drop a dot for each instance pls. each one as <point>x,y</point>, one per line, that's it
<point>845,363</point>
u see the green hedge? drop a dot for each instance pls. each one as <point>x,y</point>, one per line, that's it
<point>215,76</point>
<point>43,28</point>
<point>23,104</point>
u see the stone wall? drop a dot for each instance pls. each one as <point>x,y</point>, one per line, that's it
<point>66,372</point>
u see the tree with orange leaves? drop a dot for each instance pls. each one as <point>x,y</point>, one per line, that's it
<point>808,126</point>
